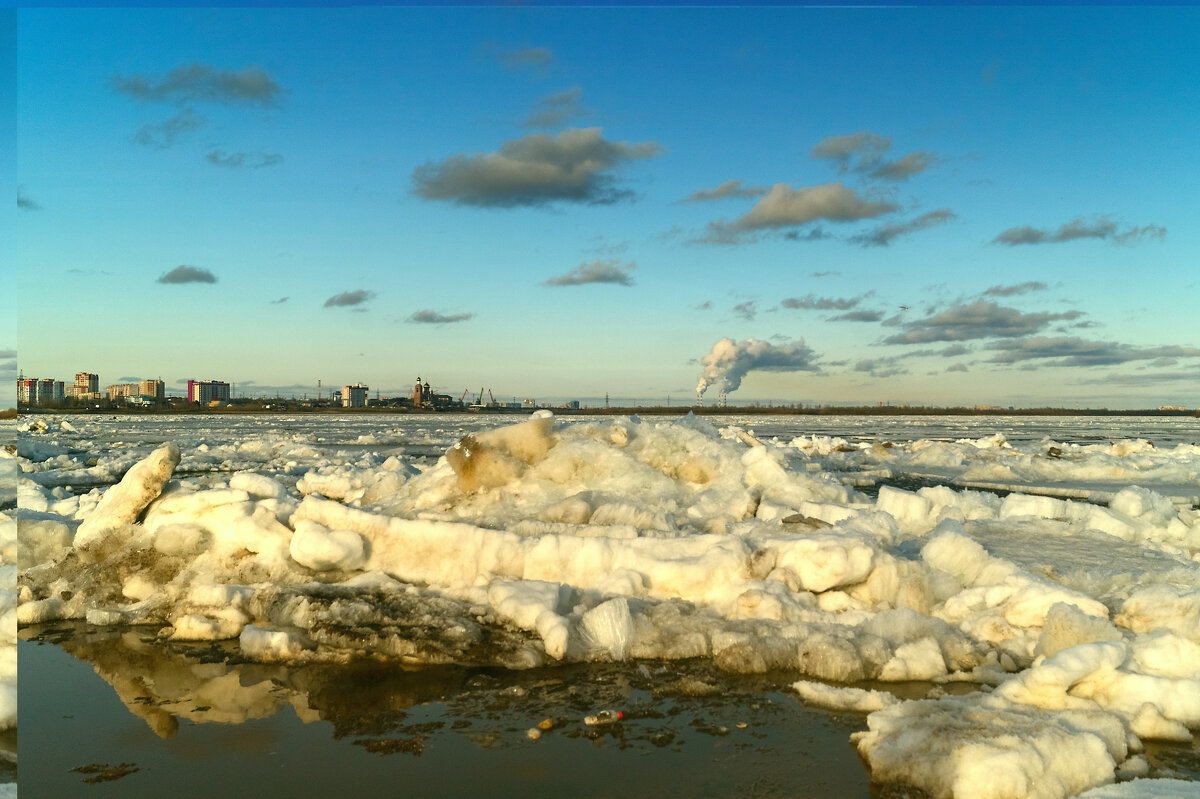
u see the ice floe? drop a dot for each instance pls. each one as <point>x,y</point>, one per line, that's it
<point>551,541</point>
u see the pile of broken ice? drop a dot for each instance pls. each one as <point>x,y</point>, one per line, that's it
<point>623,538</point>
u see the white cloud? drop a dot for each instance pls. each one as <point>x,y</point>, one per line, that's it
<point>201,82</point>
<point>747,310</point>
<point>238,160</point>
<point>885,234</point>
<point>556,109</point>
<point>1102,228</point>
<point>164,134</point>
<point>811,302</point>
<point>1020,288</point>
<point>187,274</point>
<point>979,319</point>
<point>858,151</point>
<point>349,298</point>
<point>429,317</point>
<point>1070,351</point>
<point>906,167</point>
<point>730,188</point>
<point>599,271</point>
<point>784,207</point>
<point>25,202</point>
<point>536,58</point>
<point>574,165</point>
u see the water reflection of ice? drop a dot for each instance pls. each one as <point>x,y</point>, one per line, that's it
<point>166,685</point>
<point>1052,560</point>
<point>443,724</point>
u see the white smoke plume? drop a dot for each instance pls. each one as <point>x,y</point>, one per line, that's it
<point>729,361</point>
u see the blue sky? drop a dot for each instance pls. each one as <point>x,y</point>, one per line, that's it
<point>924,205</point>
<point>8,220</point>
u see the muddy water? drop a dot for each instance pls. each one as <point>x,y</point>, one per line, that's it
<point>113,713</point>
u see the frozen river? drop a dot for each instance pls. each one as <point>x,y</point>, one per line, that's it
<point>935,595</point>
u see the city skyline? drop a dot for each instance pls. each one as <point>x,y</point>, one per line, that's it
<point>942,206</point>
<point>328,390</point>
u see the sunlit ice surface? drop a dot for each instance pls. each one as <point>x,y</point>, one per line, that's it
<point>1047,565</point>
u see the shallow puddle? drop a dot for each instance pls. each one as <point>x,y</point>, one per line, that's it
<point>153,720</point>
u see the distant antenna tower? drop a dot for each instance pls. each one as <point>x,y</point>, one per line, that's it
<point>318,389</point>
<point>605,399</point>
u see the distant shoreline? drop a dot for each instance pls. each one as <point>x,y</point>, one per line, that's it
<point>656,410</point>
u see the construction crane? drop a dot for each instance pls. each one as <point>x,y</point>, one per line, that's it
<point>492,398</point>
<point>464,395</point>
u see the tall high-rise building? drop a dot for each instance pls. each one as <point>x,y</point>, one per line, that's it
<point>50,390</point>
<point>121,390</point>
<point>87,383</point>
<point>205,391</point>
<point>355,396</point>
<point>35,391</point>
<point>27,390</point>
<point>154,389</point>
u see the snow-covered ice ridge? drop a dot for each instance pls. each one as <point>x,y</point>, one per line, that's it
<point>549,541</point>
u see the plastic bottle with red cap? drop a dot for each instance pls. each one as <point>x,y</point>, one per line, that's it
<point>604,718</point>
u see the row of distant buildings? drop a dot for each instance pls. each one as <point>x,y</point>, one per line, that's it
<point>422,396</point>
<point>359,396</point>
<point>86,388</point>
<point>47,390</point>
<point>43,391</point>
